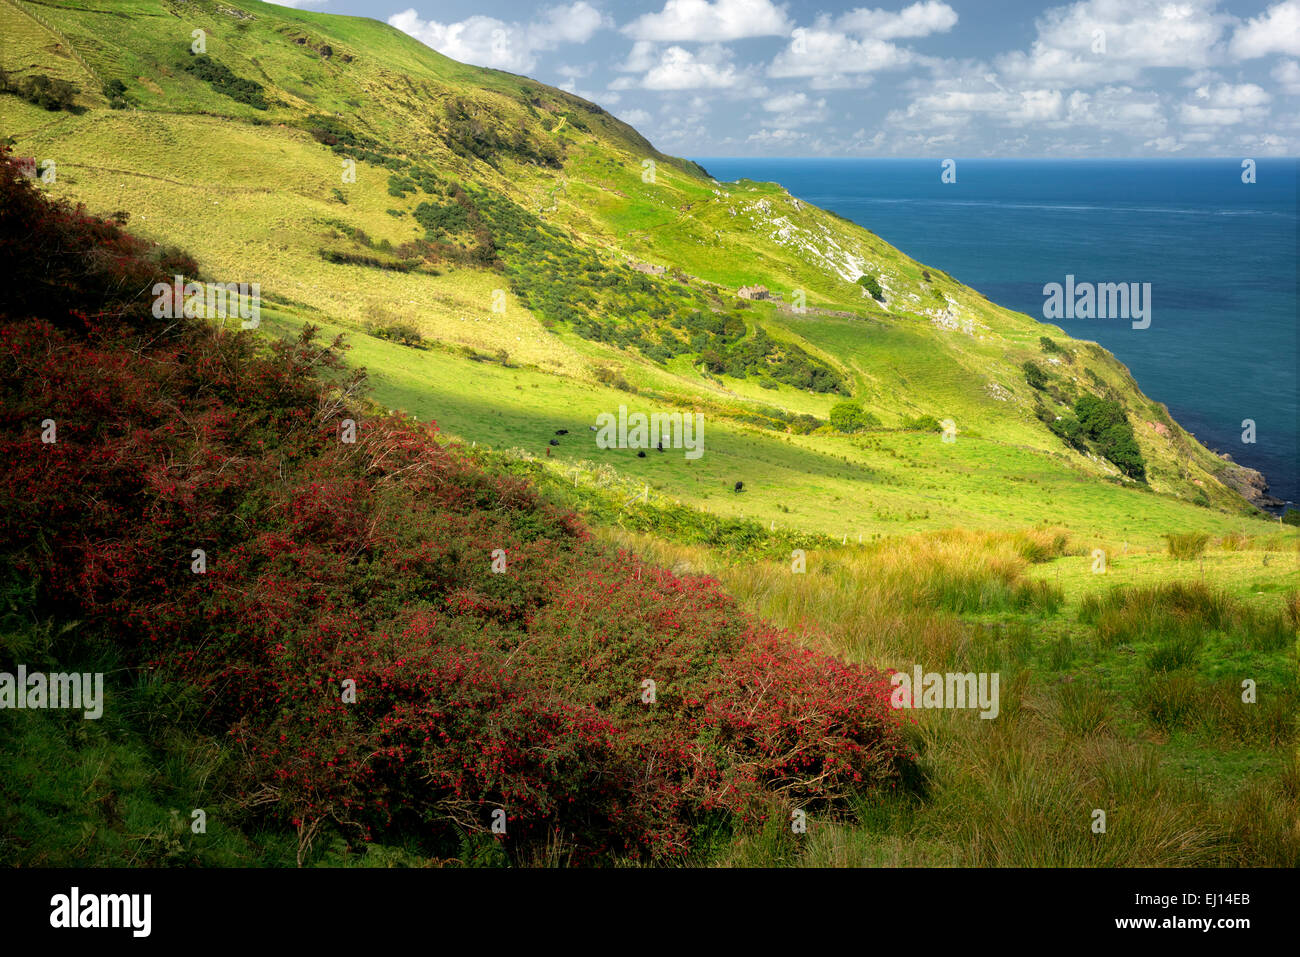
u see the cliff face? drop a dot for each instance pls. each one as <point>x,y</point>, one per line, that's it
<point>1249,483</point>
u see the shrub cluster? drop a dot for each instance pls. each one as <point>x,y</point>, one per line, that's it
<point>46,92</point>
<point>1034,375</point>
<point>872,285</point>
<point>219,76</point>
<point>658,316</point>
<point>851,417</point>
<point>476,131</point>
<point>1102,425</point>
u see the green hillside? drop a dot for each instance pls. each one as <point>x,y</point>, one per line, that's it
<point>241,160</point>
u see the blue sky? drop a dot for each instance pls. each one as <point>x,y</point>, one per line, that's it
<point>1011,78</point>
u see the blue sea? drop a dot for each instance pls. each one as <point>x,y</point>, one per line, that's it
<point>1220,256</point>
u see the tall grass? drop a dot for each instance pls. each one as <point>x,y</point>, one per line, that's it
<point>1185,546</point>
<point>1180,613</point>
<point>892,603</point>
<point>1021,790</point>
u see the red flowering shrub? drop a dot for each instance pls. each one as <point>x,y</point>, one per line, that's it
<point>602,704</point>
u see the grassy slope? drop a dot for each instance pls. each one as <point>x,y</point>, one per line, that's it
<point>248,200</point>
<point>249,196</point>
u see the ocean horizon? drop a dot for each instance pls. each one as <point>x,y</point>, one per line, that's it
<point>1220,255</point>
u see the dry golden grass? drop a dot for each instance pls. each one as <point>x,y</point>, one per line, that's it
<point>1021,790</point>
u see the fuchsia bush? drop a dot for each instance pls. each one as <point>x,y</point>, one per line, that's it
<point>371,562</point>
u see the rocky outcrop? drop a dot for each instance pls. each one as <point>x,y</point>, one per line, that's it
<point>1248,483</point>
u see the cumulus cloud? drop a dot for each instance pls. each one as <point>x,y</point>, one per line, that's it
<point>1226,104</point>
<point>1287,75</point>
<point>957,106</point>
<point>918,20</point>
<point>784,102</point>
<point>1119,108</point>
<point>640,58</point>
<point>634,117</point>
<point>702,21</point>
<point>1102,41</point>
<point>776,137</point>
<point>859,42</point>
<point>487,41</point>
<point>794,109</point>
<point>820,51</point>
<point>1276,30</point>
<point>680,69</point>
<point>1164,144</point>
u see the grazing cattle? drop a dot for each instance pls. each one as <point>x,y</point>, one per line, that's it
<point>740,486</point>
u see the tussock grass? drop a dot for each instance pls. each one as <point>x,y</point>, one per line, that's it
<point>1083,709</point>
<point>1027,798</point>
<point>1177,652</point>
<point>1186,546</point>
<point>1176,614</point>
<point>891,603</point>
<point>1260,828</point>
<point>1177,700</point>
<point>1234,542</point>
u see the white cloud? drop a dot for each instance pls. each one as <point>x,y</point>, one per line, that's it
<point>1233,95</point>
<point>794,109</point>
<point>634,117</point>
<point>918,20</point>
<point>957,106</point>
<point>1104,41</point>
<point>640,58</point>
<point>778,137</point>
<point>1225,104</point>
<point>838,81</point>
<point>576,23</point>
<point>821,51</point>
<point>1276,30</point>
<point>1119,108</point>
<point>702,21</point>
<point>1165,144</point>
<point>1287,75</point>
<point>858,42</point>
<point>680,69</point>
<point>783,102</point>
<point>487,41</point>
